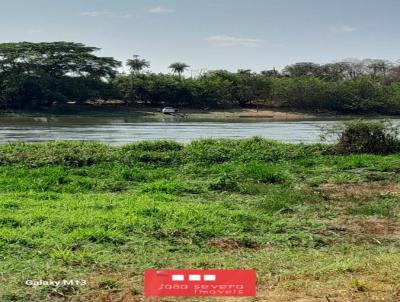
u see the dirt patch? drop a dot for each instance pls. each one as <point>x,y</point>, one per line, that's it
<point>361,190</point>
<point>262,113</point>
<point>231,244</point>
<point>363,230</point>
<point>379,227</point>
<point>224,244</point>
<point>330,296</point>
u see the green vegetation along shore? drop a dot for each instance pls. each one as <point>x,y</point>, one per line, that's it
<point>50,74</point>
<point>315,224</point>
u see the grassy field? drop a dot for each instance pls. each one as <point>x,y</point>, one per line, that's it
<point>316,226</point>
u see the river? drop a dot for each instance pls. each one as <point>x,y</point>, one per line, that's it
<point>117,130</point>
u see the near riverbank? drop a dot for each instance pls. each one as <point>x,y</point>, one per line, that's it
<point>316,226</point>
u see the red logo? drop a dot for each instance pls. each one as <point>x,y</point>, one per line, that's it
<point>200,283</point>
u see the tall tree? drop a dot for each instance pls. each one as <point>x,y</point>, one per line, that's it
<point>179,68</point>
<point>136,65</point>
<point>379,68</point>
<point>37,74</point>
<point>302,69</point>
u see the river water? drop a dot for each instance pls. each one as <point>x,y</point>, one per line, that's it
<point>119,130</point>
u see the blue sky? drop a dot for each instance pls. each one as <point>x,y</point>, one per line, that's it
<point>213,34</point>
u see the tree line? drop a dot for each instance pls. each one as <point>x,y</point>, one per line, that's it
<point>39,75</point>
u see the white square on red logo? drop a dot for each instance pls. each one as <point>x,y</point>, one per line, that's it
<point>209,277</point>
<point>194,277</point>
<point>178,277</point>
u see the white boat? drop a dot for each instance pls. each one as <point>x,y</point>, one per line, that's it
<point>167,110</point>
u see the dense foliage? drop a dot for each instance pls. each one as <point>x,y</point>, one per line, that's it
<point>361,94</point>
<point>39,74</point>
<point>378,137</point>
<point>215,89</point>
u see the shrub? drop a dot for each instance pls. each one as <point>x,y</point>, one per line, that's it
<point>155,146</point>
<point>225,183</point>
<point>376,137</point>
<point>156,152</point>
<point>210,151</point>
<point>263,173</point>
<point>68,153</point>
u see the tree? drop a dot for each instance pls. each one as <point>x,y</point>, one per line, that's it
<point>37,74</point>
<point>179,68</point>
<point>270,73</point>
<point>302,69</point>
<point>244,86</point>
<point>136,65</point>
<point>379,68</point>
<point>333,71</point>
<point>354,68</point>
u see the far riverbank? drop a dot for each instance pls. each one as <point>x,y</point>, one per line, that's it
<point>189,114</point>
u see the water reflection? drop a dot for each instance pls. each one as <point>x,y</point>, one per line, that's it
<point>119,130</point>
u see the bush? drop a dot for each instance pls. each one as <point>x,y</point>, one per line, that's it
<point>376,137</point>
<point>151,152</point>
<point>225,182</point>
<point>68,153</point>
<point>263,173</point>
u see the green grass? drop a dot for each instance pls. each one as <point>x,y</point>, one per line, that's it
<point>71,210</point>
